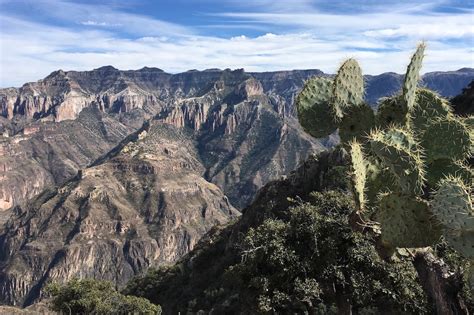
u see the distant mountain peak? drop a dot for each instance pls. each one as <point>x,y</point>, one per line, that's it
<point>106,69</point>
<point>55,74</point>
<point>466,69</point>
<point>150,69</point>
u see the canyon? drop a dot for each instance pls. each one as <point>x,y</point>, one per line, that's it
<point>106,173</point>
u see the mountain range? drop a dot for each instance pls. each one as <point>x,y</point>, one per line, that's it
<point>106,173</point>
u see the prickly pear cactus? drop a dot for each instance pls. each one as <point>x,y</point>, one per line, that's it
<point>379,179</point>
<point>452,205</point>
<point>356,123</point>
<point>316,113</point>
<point>391,111</point>
<point>413,76</point>
<point>406,221</point>
<point>429,106</point>
<point>358,174</point>
<point>348,88</point>
<point>446,139</point>
<point>398,150</point>
<point>439,169</point>
<point>469,121</point>
<point>462,242</point>
<point>415,144</point>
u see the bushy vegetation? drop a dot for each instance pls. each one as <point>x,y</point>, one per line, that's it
<point>314,261</point>
<point>90,296</point>
<point>307,259</point>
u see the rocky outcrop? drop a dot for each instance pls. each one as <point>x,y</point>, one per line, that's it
<point>219,107</point>
<point>63,95</point>
<point>146,204</point>
<point>251,146</point>
<point>48,153</point>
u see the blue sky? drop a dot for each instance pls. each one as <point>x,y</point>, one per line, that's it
<point>40,36</point>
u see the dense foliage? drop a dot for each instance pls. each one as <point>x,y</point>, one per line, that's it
<point>306,259</point>
<point>314,261</point>
<point>96,297</point>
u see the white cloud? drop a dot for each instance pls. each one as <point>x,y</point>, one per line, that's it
<point>95,23</point>
<point>426,31</point>
<point>380,24</point>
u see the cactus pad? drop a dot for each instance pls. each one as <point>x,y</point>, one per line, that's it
<point>379,179</point>
<point>391,110</point>
<point>412,76</point>
<point>452,205</point>
<point>358,174</point>
<point>315,112</point>
<point>406,221</point>
<point>398,150</point>
<point>463,242</point>
<point>439,169</point>
<point>428,106</point>
<point>348,88</point>
<point>356,123</point>
<point>469,121</point>
<point>446,139</point>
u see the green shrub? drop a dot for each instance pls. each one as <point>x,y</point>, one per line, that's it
<point>300,259</point>
<point>314,259</point>
<point>90,296</point>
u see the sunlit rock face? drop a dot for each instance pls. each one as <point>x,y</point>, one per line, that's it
<point>144,205</point>
<point>52,128</point>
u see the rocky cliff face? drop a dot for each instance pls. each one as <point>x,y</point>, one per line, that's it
<point>62,95</point>
<point>144,204</point>
<point>48,153</point>
<point>218,108</point>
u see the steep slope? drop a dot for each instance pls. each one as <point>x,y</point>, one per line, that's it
<point>48,153</point>
<point>449,83</point>
<point>226,111</point>
<point>287,256</point>
<point>142,205</point>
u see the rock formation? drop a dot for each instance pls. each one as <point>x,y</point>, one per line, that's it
<point>143,205</point>
<point>211,105</point>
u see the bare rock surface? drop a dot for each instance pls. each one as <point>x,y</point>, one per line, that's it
<point>145,205</point>
<point>64,122</point>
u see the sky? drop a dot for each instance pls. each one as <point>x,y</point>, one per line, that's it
<point>41,36</point>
